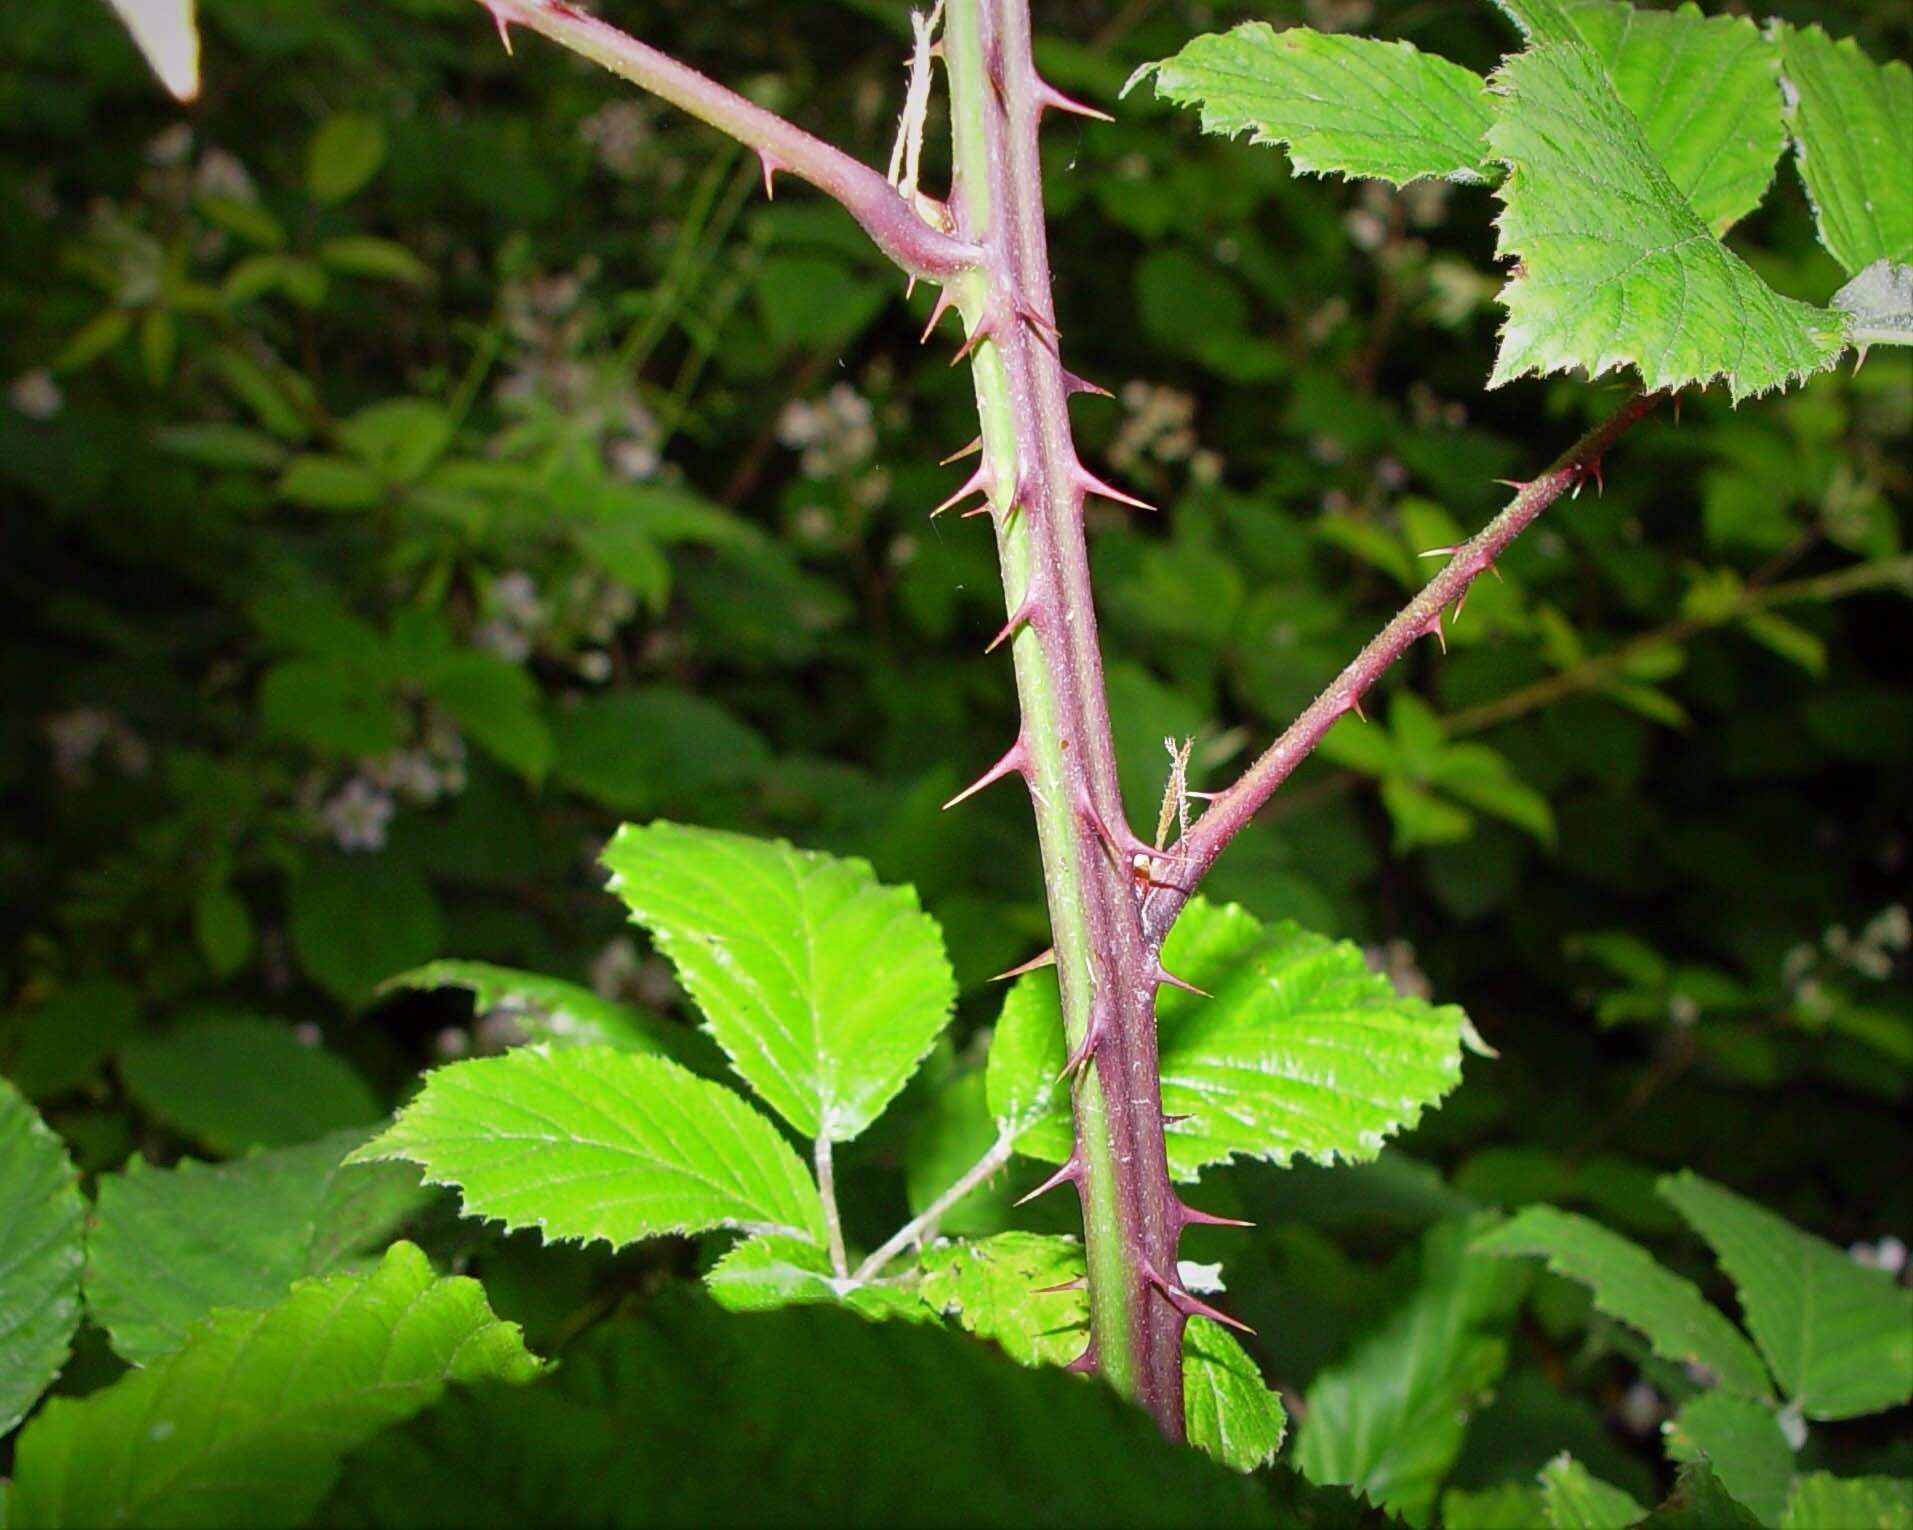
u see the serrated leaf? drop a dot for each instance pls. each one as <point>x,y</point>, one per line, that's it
<point>41,1217</point>
<point>234,1082</point>
<point>1028,1095</point>
<point>169,1246</point>
<point>1630,1286</point>
<point>593,1143</point>
<point>1822,1501</point>
<point>771,1271</point>
<point>625,1435</point>
<point>1706,91</point>
<point>1838,1335</point>
<point>1506,1506</point>
<point>1699,1502</point>
<point>824,988</point>
<point>1343,105</point>
<point>546,1009</point>
<point>1615,267</point>
<point>1742,1441</point>
<point>1573,1498</point>
<point>1852,125</point>
<point>999,1288</point>
<point>246,1425</point>
<point>1303,1052</point>
<point>1879,305</point>
<point>1389,1419</point>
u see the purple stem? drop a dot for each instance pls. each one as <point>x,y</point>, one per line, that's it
<point>1230,812</point>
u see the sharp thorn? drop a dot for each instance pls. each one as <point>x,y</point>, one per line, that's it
<point>977,483</point>
<point>1200,796</point>
<point>1053,99</point>
<point>1436,631</point>
<point>1163,975</point>
<point>1068,1174</point>
<point>970,343</point>
<point>1085,1363</point>
<point>1014,761</point>
<point>945,302</point>
<point>504,28</point>
<point>968,451</point>
<point>1439,552</point>
<point>1044,327</point>
<point>1022,615</point>
<point>1355,706</point>
<point>1195,1217</point>
<point>1077,1283</point>
<point>1034,964</point>
<point>1093,485</point>
<point>771,167</point>
<point>1594,471</point>
<point>1195,1306</point>
<point>986,508</point>
<point>1074,384</point>
<point>1518,485</point>
<point>1086,1049</point>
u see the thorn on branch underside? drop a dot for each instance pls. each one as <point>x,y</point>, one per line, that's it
<point>978,482</point>
<point>975,338</point>
<point>1093,1038</point>
<point>1190,1305</point>
<point>1070,1173</point>
<point>946,300</point>
<point>964,451</point>
<point>1035,964</point>
<point>1022,616</point>
<point>771,166</point>
<point>1091,484</point>
<point>503,25</point>
<point>1052,99</point>
<point>1015,761</point>
<point>1162,975</point>
<point>1075,384</point>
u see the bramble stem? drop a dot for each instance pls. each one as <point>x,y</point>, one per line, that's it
<point>833,1221</point>
<point>923,1226</point>
<point>1230,811</point>
<point>898,229</point>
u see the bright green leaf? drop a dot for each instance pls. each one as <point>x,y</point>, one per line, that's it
<point>41,1216</point>
<point>1706,91</point>
<point>246,1425</point>
<point>1303,1052</point>
<point>772,1271</point>
<point>1852,125</point>
<point>344,154</point>
<point>547,1009</point>
<point>234,1082</point>
<point>824,988</point>
<point>1742,1441</point>
<point>1574,1499</point>
<point>1028,1096</point>
<point>221,446</point>
<point>1507,1506</point>
<point>1616,268</point>
<point>594,1143</point>
<point>1343,105</point>
<point>1228,1409</point>
<point>1630,1286</point>
<point>1389,1419</point>
<point>1822,1501</point>
<point>169,1246</point>
<point>1838,1335</point>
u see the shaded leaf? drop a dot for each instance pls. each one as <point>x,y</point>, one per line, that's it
<point>1822,1501</point>
<point>1742,1441</point>
<point>546,1009</point>
<point>1573,1498</point>
<point>41,1216</point>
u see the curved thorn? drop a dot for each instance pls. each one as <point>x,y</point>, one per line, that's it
<point>968,451</point>
<point>771,167</point>
<point>1068,1174</point>
<point>1022,615</point>
<point>1015,760</point>
<point>977,483</point>
<point>1085,1363</point>
<point>1075,384</point>
<point>986,508</point>
<point>970,343</point>
<point>504,28</point>
<point>1053,99</point>
<point>945,302</point>
<point>1044,327</point>
<point>1094,485</point>
<point>1086,1049</point>
<point>1035,964</point>
<point>1163,975</point>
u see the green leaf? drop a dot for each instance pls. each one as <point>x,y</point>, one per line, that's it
<point>222,446</point>
<point>235,1082</point>
<point>1743,1443</point>
<point>222,928</point>
<point>1706,92</point>
<point>772,1271</point>
<point>62,1045</point>
<point>1630,1286</point>
<point>330,483</point>
<point>1822,1501</point>
<point>1838,1335</point>
<point>546,1009</point>
<point>1303,1052</point>
<point>398,438</point>
<point>594,1143</point>
<point>169,1246</point>
<point>1852,125</point>
<point>1507,1506</point>
<point>329,707</point>
<point>380,259</point>
<point>245,1425</point>
<point>1574,1499</point>
<point>357,919</point>
<point>1389,1419</point>
<point>1615,267</point>
<point>1028,1095</point>
<point>639,752</point>
<point>344,154</point>
<point>1343,105</point>
<point>41,1217</point>
<point>499,705</point>
<point>810,301</point>
<point>1699,1502</point>
<point>625,1435</point>
<point>825,989</point>
<point>998,1289</point>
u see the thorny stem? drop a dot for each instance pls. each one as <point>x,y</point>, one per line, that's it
<point>923,1226</point>
<point>833,1222</point>
<point>1231,811</point>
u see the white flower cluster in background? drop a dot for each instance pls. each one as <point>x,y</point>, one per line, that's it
<point>358,814</point>
<point>87,738</point>
<point>836,434</point>
<point>1159,424</point>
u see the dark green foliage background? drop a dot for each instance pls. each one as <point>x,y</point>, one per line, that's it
<point>796,649</point>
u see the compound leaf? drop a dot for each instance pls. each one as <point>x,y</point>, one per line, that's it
<point>1852,124</point>
<point>1343,105</point>
<point>1839,1336</point>
<point>1303,1052</point>
<point>245,1425</point>
<point>1615,267</point>
<point>168,1246</point>
<point>594,1143</point>
<point>1630,1286</point>
<point>824,988</point>
<point>41,1217</point>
